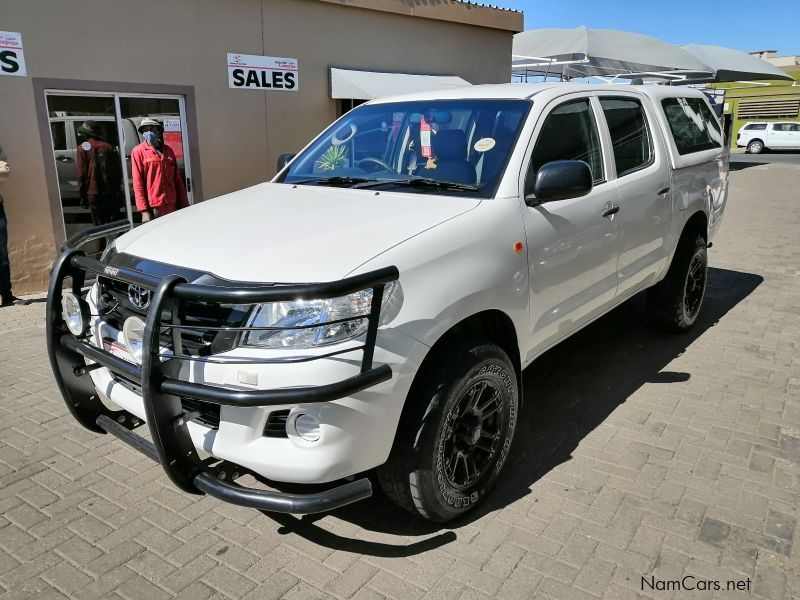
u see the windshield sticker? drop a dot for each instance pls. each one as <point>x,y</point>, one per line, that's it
<point>484,144</point>
<point>425,138</point>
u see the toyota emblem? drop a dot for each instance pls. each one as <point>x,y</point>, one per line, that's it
<point>139,296</point>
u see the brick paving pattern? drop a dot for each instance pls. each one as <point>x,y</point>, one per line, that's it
<point>639,455</point>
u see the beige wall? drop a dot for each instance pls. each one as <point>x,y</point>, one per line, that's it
<point>95,40</point>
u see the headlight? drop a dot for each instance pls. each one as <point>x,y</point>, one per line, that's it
<point>75,312</point>
<point>317,317</point>
<point>133,336</point>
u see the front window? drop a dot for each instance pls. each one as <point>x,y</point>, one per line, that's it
<point>456,147</point>
<point>568,133</point>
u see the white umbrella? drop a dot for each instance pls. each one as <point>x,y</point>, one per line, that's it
<point>583,52</point>
<point>733,65</point>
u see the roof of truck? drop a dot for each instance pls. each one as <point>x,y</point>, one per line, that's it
<point>528,90</point>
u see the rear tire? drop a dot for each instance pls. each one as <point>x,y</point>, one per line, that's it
<point>455,432</point>
<point>755,147</point>
<point>674,303</point>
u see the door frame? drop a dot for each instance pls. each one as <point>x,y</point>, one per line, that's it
<point>185,95</point>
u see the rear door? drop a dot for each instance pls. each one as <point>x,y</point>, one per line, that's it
<point>779,136</point>
<point>641,167</point>
<point>794,136</point>
<point>572,248</point>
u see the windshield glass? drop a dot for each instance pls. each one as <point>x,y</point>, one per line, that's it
<point>457,147</point>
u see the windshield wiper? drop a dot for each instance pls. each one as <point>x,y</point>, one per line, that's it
<point>335,180</point>
<point>422,182</point>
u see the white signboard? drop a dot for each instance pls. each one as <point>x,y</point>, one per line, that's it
<point>253,72</point>
<point>12,60</point>
<point>172,125</point>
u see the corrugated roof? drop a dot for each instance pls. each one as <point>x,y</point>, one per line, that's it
<point>454,11</point>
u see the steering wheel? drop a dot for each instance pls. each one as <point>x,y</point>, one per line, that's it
<point>376,161</point>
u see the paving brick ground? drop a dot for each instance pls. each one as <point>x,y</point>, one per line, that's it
<point>639,455</point>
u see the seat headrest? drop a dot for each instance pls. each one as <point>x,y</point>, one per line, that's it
<point>450,144</point>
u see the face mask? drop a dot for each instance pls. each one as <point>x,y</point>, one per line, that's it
<point>151,137</point>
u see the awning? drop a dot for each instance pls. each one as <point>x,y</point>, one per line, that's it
<point>366,85</point>
<point>734,65</point>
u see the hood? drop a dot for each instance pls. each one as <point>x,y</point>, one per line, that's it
<point>278,233</point>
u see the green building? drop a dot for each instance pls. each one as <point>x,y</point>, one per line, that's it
<point>770,101</point>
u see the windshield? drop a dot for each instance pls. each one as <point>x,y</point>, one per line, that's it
<point>458,147</point>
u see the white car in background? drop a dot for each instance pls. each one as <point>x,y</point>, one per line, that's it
<point>758,136</point>
<point>373,306</point>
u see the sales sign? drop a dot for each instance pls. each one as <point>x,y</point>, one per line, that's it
<point>12,59</point>
<point>263,73</point>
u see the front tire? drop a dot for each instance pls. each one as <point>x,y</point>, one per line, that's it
<point>674,303</point>
<point>755,147</point>
<point>455,433</point>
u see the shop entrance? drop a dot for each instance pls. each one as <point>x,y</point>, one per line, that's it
<point>107,195</point>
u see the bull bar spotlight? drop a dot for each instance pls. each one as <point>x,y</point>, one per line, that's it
<point>76,313</point>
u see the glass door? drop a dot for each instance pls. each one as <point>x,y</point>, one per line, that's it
<point>98,189</point>
<point>170,113</point>
<point>90,195</point>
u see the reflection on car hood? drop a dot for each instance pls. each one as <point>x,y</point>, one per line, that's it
<point>283,233</point>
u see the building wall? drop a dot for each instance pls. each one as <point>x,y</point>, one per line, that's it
<point>736,92</point>
<point>239,133</point>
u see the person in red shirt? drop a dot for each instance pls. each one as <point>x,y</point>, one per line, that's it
<point>157,182</point>
<point>99,175</point>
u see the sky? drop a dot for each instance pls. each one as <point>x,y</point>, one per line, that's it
<point>735,24</point>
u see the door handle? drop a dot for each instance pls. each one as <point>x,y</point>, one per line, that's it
<point>663,191</point>
<point>64,159</point>
<point>611,210</point>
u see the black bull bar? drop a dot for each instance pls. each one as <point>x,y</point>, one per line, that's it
<point>166,419</point>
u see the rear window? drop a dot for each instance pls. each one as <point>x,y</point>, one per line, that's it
<point>755,126</point>
<point>694,127</point>
<point>630,137</point>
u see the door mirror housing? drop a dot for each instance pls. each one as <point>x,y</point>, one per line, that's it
<point>285,159</point>
<point>560,180</point>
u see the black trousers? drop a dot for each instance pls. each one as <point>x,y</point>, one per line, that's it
<point>5,269</point>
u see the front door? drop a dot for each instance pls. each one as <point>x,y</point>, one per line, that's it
<point>643,178</point>
<point>571,245</point>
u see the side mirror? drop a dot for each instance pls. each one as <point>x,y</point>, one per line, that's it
<point>285,159</point>
<point>561,179</point>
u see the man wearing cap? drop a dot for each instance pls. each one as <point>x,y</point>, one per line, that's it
<point>157,182</point>
<point>99,174</point>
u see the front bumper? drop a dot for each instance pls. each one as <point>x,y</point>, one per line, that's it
<point>172,445</point>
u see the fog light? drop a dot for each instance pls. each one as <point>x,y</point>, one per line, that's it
<point>75,312</point>
<point>133,336</point>
<point>307,427</point>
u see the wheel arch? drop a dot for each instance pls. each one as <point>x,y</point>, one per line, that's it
<point>696,224</point>
<point>492,324</point>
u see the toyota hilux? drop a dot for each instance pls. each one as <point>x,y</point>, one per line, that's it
<point>367,314</point>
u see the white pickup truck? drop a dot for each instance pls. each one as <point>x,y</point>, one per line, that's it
<point>760,136</point>
<point>368,312</point>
